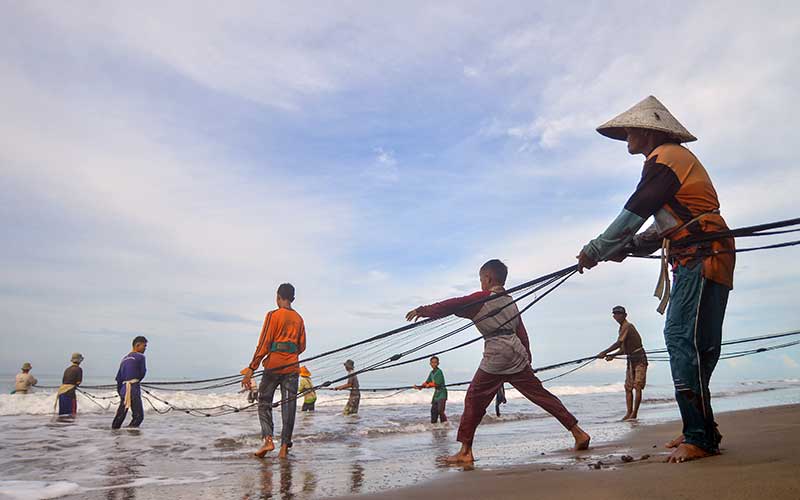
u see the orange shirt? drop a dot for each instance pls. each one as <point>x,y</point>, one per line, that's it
<point>282,340</point>
<point>695,196</point>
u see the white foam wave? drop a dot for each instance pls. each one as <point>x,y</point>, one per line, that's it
<point>41,490</point>
<point>161,481</point>
<point>36,490</point>
<point>577,390</point>
<point>41,403</point>
<point>392,427</point>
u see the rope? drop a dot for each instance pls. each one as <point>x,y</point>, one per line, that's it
<point>226,409</point>
<point>587,360</point>
<point>226,381</point>
<point>92,398</point>
<point>707,253</point>
<point>556,281</point>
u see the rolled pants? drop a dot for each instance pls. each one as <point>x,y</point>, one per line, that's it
<point>136,408</point>
<point>483,389</point>
<point>693,334</point>
<point>437,411</point>
<point>266,390</point>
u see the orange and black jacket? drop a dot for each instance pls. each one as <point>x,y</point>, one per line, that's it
<point>676,190</point>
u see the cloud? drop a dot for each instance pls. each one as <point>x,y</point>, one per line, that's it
<point>106,332</point>
<point>385,157</point>
<point>385,168</point>
<point>162,173</point>
<point>220,317</point>
<point>471,72</point>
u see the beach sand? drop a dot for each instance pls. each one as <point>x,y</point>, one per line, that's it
<point>760,460</point>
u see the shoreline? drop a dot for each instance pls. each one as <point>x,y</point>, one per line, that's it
<point>760,459</point>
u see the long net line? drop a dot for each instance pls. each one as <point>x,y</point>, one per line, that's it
<point>571,367</point>
<point>412,338</point>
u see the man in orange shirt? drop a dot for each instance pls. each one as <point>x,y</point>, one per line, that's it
<point>283,338</point>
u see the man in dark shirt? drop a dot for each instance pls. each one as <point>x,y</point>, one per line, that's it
<point>131,371</point>
<point>351,408</point>
<point>629,343</point>
<point>73,376</point>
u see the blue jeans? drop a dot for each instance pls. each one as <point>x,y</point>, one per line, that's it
<point>693,334</point>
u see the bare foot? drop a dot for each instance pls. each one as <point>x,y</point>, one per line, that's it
<point>675,442</point>
<point>686,452</point>
<point>459,459</point>
<point>267,447</point>
<point>581,438</point>
<point>284,451</point>
<point>629,418</point>
<point>626,417</point>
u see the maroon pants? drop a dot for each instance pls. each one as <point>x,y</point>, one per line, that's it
<point>483,389</point>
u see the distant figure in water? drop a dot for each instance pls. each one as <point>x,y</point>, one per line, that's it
<point>24,381</point>
<point>66,394</point>
<point>629,343</point>
<point>499,399</point>
<point>282,340</point>
<point>506,357</point>
<point>132,370</point>
<point>310,397</point>
<point>351,408</point>
<point>439,401</point>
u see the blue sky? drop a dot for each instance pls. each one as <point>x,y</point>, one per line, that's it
<point>164,168</point>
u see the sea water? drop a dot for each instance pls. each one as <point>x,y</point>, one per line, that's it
<point>390,443</point>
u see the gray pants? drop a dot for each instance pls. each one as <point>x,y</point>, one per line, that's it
<point>266,390</point>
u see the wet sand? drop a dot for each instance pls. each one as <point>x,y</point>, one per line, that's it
<point>760,459</point>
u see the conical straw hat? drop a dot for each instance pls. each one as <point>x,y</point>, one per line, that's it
<point>648,114</point>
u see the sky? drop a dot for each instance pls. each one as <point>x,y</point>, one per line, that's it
<point>164,167</point>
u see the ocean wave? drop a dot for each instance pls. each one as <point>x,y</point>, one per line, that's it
<point>578,390</point>
<point>42,402</point>
<point>42,490</point>
<point>756,387</point>
<point>37,490</point>
<point>411,426</point>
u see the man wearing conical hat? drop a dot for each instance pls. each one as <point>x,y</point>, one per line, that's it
<point>676,190</point>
